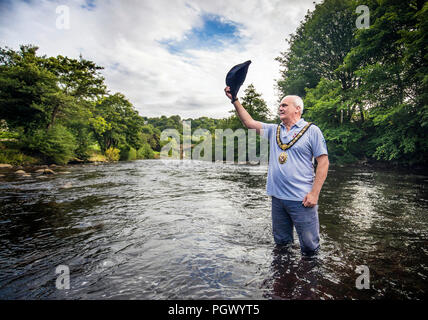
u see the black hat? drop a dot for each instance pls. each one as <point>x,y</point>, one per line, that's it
<point>236,77</point>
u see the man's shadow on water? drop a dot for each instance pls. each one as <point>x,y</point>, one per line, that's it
<point>293,276</point>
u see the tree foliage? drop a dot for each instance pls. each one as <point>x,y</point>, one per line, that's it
<point>60,107</point>
<point>365,88</point>
<point>255,106</point>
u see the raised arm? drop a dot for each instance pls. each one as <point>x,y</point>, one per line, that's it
<point>245,117</point>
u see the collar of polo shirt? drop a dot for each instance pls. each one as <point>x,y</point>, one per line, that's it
<point>298,124</point>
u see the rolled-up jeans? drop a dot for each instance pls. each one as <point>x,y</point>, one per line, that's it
<point>285,215</point>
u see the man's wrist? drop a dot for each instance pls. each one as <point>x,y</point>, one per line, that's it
<point>315,193</point>
<point>233,100</point>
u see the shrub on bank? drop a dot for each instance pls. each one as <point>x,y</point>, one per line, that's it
<point>56,144</point>
<point>132,154</point>
<point>145,152</point>
<point>15,157</point>
<point>112,154</point>
<point>128,153</point>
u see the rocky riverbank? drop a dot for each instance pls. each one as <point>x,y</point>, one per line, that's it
<point>37,171</point>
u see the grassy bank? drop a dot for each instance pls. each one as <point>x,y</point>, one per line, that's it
<point>16,157</point>
<point>11,153</point>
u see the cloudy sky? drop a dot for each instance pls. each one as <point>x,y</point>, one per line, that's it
<point>167,56</point>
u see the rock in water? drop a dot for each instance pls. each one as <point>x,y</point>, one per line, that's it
<point>49,171</point>
<point>20,172</point>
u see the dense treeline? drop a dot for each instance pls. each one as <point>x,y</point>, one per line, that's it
<point>365,88</point>
<point>253,103</point>
<point>58,109</point>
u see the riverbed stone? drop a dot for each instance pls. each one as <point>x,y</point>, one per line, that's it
<point>49,171</point>
<point>20,172</point>
<point>5,166</point>
<point>40,170</point>
<point>68,185</point>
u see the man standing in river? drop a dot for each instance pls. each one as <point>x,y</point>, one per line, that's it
<point>291,183</point>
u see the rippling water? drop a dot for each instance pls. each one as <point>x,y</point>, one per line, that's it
<point>200,230</point>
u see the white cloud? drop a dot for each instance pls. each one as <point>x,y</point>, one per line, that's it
<point>123,37</point>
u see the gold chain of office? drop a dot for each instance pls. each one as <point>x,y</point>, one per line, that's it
<point>285,146</point>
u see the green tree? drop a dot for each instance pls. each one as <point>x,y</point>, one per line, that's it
<point>116,123</point>
<point>27,89</point>
<point>36,92</point>
<point>151,136</point>
<point>366,89</point>
<point>255,106</point>
<point>56,144</point>
<point>391,66</point>
<point>79,80</point>
<point>327,106</point>
<point>59,105</point>
<point>318,48</point>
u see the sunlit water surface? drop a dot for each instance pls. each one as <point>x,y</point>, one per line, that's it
<point>199,230</point>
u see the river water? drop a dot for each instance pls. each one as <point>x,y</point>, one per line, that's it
<point>198,230</point>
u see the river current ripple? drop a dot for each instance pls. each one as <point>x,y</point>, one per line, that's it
<point>151,229</point>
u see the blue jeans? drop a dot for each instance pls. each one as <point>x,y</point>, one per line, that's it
<point>285,215</point>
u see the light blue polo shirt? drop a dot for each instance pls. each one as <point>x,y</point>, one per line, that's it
<point>293,179</point>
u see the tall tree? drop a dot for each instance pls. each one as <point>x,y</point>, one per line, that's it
<point>27,89</point>
<point>391,66</point>
<point>365,88</point>
<point>318,48</point>
<point>116,123</point>
<point>254,104</point>
<point>79,80</point>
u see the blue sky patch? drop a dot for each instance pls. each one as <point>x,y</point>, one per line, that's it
<point>214,34</point>
<point>89,5</point>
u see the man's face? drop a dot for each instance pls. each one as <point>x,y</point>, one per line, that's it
<point>287,110</point>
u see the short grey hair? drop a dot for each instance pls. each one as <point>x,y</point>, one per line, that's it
<point>298,102</point>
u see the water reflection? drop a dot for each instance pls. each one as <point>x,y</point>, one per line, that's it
<point>293,276</point>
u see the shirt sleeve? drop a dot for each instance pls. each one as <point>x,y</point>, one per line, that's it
<point>318,144</point>
<point>267,130</point>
